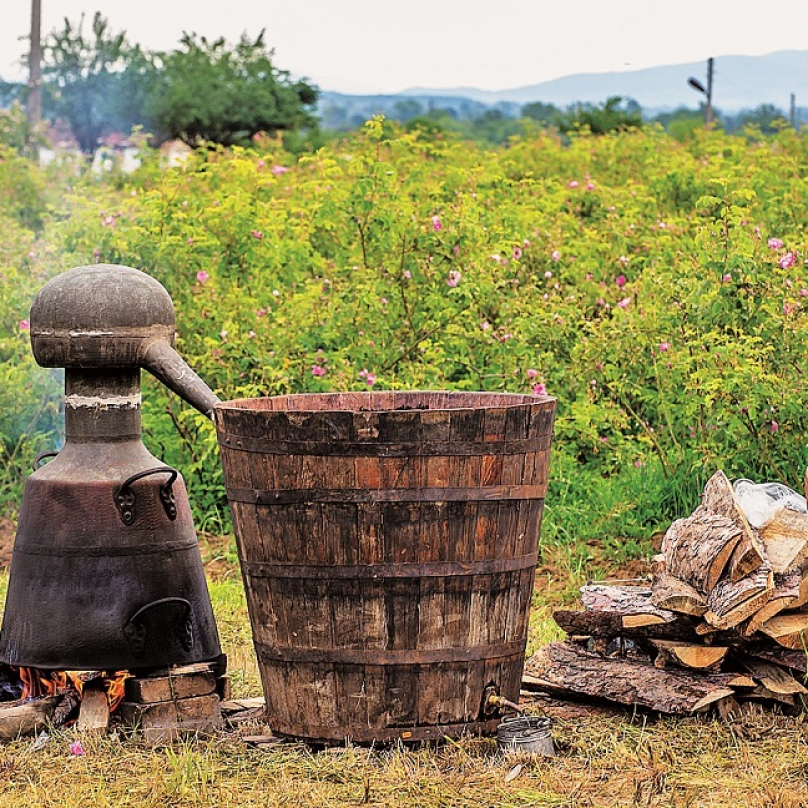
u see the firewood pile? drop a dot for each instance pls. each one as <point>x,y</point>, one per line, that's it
<point>722,620</point>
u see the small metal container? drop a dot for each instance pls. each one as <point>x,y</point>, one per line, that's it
<point>526,733</point>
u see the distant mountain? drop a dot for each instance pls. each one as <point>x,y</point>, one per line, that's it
<point>739,82</point>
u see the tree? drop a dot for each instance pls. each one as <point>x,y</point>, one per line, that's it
<point>541,112</point>
<point>208,91</point>
<point>613,115</point>
<point>83,78</point>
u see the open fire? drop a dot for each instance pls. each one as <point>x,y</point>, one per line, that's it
<point>25,684</point>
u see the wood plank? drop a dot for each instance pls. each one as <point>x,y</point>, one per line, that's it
<point>94,709</point>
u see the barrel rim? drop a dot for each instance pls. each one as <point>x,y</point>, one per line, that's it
<point>486,400</point>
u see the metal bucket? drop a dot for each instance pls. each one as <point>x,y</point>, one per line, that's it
<point>526,733</point>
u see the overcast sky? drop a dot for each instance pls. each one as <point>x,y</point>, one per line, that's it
<point>391,45</point>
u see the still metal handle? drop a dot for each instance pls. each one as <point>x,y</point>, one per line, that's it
<point>136,632</point>
<point>41,456</point>
<point>124,496</point>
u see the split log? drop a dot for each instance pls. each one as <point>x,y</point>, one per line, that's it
<point>670,593</point>
<point>788,629</point>
<point>731,602</point>
<point>785,539</point>
<point>633,603</point>
<point>749,554</point>
<point>689,655</point>
<point>165,721</point>
<point>794,660</point>
<point>562,668</point>
<point>773,677</point>
<point>608,625</point>
<point>697,548</point>
<point>786,595</point>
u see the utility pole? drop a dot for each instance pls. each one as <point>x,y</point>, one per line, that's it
<point>707,91</point>
<point>792,113</point>
<point>34,108</point>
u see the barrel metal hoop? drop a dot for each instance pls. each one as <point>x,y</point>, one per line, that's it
<point>425,448</point>
<point>432,569</point>
<point>344,496</point>
<point>384,656</point>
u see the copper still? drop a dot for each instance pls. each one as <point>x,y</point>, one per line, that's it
<point>106,571</point>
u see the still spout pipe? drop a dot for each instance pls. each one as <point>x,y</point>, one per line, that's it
<point>164,363</point>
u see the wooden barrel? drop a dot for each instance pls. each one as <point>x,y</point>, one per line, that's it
<point>388,547</point>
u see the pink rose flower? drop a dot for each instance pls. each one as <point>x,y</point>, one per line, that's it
<point>317,370</point>
<point>25,325</point>
<point>277,170</point>
<point>257,234</point>
<point>573,184</point>
<point>202,276</point>
<point>532,373</point>
<point>436,223</point>
<point>624,303</point>
<point>787,260</point>
<point>664,346</point>
<point>775,244</point>
<point>539,389</point>
<point>370,379</point>
<point>555,255</point>
<point>774,427</point>
<point>453,278</point>
<point>620,280</point>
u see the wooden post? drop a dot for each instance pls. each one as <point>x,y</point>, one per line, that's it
<point>708,112</point>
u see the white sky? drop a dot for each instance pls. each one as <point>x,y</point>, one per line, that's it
<point>391,45</point>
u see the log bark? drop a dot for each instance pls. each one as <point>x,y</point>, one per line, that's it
<point>785,539</point>
<point>18,718</point>
<point>670,593</point>
<point>732,602</point>
<point>697,548</point>
<point>563,668</point>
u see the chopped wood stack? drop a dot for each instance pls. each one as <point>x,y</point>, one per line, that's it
<point>723,620</point>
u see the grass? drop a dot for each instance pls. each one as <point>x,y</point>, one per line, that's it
<point>602,760</point>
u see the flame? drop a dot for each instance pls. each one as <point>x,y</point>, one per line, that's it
<point>38,684</point>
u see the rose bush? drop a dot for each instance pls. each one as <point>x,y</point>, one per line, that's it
<point>657,289</point>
